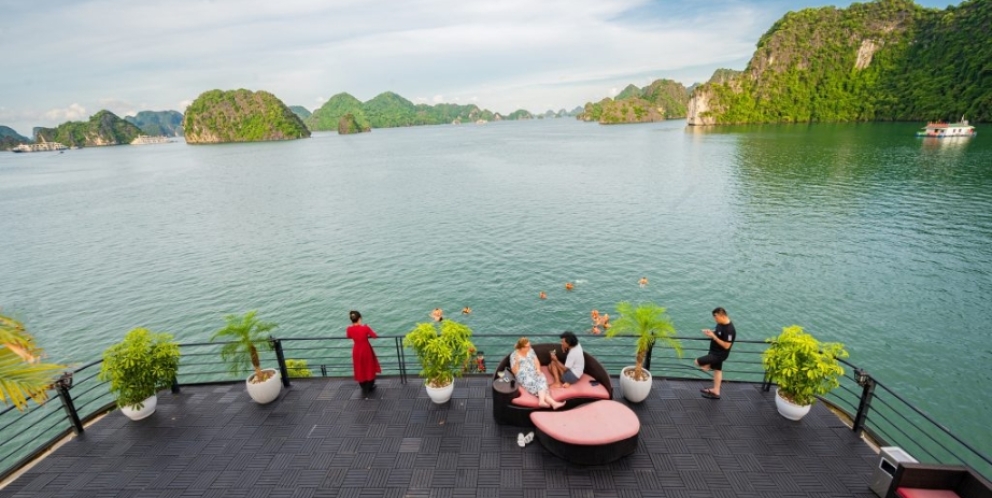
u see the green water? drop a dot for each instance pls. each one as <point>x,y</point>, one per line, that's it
<point>861,233</point>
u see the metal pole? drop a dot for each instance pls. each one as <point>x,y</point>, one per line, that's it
<point>62,388</point>
<point>277,344</point>
<point>868,392</point>
<point>401,359</point>
<point>175,385</point>
<point>766,383</point>
<point>647,358</point>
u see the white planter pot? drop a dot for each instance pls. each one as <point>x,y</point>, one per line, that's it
<point>635,390</point>
<point>790,410</point>
<point>265,392</point>
<point>440,395</point>
<point>148,408</point>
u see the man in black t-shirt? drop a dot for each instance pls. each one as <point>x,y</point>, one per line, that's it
<point>721,340</point>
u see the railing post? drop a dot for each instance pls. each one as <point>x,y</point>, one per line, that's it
<point>400,359</point>
<point>283,371</point>
<point>766,383</point>
<point>175,385</point>
<point>62,388</point>
<point>868,391</point>
<point>323,370</point>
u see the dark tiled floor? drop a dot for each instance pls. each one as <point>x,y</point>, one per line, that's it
<point>321,439</point>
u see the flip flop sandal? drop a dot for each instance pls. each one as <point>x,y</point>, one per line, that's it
<point>711,396</point>
<point>706,390</point>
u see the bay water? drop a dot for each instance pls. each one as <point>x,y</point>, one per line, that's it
<point>860,233</point>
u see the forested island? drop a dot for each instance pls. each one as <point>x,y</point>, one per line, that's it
<point>662,99</point>
<point>887,60</point>
<point>103,128</point>
<point>218,116</point>
<point>158,123</point>
<point>10,138</point>
<point>390,110</point>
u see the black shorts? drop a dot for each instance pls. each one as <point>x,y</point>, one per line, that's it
<point>714,361</point>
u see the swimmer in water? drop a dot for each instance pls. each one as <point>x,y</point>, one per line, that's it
<point>643,282</point>
<point>466,311</point>
<point>437,315</point>
<point>543,295</point>
<point>569,286</point>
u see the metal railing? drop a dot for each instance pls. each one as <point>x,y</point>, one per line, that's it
<point>872,407</point>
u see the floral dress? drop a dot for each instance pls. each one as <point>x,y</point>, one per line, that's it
<point>532,379</point>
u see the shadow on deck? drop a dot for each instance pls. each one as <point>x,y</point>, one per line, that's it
<point>322,439</point>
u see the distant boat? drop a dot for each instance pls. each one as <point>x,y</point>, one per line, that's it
<point>148,140</point>
<point>947,130</point>
<point>39,147</point>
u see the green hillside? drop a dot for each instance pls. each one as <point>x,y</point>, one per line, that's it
<point>300,111</point>
<point>10,138</point>
<point>158,123</point>
<point>218,116</point>
<point>662,99</point>
<point>882,60</point>
<point>103,128</point>
<point>390,110</point>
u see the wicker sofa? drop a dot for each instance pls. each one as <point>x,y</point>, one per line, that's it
<point>921,480</point>
<point>514,408</point>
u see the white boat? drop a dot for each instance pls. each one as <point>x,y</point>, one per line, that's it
<point>39,147</point>
<point>947,130</point>
<point>148,139</point>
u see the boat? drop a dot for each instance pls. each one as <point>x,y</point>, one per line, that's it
<point>39,147</point>
<point>148,140</point>
<point>947,130</point>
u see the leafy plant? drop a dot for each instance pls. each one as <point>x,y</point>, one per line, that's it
<point>139,366</point>
<point>442,348</point>
<point>649,323</point>
<point>22,375</point>
<point>298,368</point>
<point>803,367</point>
<point>246,333</point>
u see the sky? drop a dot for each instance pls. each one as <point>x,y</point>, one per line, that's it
<point>67,59</point>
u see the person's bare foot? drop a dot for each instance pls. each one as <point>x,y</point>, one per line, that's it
<point>558,384</point>
<point>566,385</point>
<point>557,405</point>
<point>543,404</point>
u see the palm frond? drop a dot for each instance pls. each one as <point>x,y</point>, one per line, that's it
<point>21,381</point>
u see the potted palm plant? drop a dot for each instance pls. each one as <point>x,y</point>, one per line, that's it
<point>246,334</point>
<point>442,348</point>
<point>137,368</point>
<point>803,368</point>
<point>22,374</point>
<point>649,323</point>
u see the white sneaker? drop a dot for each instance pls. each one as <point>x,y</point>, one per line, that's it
<point>521,441</point>
<point>529,438</point>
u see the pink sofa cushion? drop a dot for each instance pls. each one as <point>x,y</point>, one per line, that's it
<point>925,493</point>
<point>581,389</point>
<point>592,424</point>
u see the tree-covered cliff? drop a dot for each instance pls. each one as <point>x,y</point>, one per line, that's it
<point>158,123</point>
<point>662,99</point>
<point>218,116</point>
<point>10,138</point>
<point>882,60</point>
<point>348,125</point>
<point>103,128</point>
<point>390,110</point>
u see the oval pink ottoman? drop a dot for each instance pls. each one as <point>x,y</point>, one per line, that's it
<point>592,434</point>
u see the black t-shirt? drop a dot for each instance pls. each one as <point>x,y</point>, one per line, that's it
<point>725,333</point>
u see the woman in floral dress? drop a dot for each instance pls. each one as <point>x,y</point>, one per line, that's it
<point>527,370</point>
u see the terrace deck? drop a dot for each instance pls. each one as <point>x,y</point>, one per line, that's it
<point>321,439</point>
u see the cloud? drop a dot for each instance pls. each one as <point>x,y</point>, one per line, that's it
<point>74,112</point>
<point>438,99</point>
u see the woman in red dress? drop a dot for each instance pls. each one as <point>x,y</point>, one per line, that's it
<point>362,355</point>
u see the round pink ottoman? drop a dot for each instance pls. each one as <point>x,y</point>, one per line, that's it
<point>592,434</point>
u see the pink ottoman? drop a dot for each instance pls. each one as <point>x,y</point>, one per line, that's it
<point>592,434</point>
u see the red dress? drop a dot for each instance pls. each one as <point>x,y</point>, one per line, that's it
<point>362,355</point>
